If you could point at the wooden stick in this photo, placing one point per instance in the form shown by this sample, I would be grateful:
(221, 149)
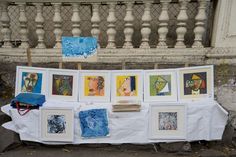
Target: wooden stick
(29, 58)
(186, 65)
(79, 66)
(60, 65)
(123, 65)
(156, 65)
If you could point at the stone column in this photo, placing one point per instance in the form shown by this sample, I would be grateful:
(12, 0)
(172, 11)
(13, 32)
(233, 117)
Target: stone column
(23, 27)
(57, 24)
(111, 31)
(129, 30)
(200, 23)
(6, 31)
(75, 20)
(181, 26)
(163, 26)
(95, 22)
(39, 20)
(146, 30)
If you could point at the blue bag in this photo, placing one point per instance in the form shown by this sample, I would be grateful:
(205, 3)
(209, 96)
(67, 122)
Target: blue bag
(24, 102)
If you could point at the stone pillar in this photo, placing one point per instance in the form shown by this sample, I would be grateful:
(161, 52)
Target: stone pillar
(129, 30)
(23, 27)
(163, 26)
(95, 22)
(39, 20)
(111, 31)
(200, 23)
(57, 24)
(75, 20)
(6, 31)
(146, 30)
(181, 26)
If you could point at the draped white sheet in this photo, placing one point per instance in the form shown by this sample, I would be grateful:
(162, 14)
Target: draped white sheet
(205, 120)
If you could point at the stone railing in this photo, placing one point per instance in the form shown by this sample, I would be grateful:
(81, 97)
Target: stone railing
(149, 35)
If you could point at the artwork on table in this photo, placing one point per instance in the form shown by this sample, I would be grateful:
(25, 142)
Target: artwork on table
(95, 86)
(57, 124)
(94, 123)
(30, 80)
(167, 121)
(63, 84)
(79, 49)
(196, 82)
(160, 85)
(127, 85)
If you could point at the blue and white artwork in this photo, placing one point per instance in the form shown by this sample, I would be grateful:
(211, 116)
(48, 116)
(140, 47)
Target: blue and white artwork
(31, 82)
(82, 47)
(94, 123)
(56, 124)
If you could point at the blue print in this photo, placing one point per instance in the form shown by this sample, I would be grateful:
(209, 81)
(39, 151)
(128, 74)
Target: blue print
(94, 123)
(31, 82)
(78, 46)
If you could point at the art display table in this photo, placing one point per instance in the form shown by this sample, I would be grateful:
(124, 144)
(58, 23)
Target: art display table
(205, 120)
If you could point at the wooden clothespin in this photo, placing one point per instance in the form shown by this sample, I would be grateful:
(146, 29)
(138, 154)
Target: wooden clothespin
(29, 56)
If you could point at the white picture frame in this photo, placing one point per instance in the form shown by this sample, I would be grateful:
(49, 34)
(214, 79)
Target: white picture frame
(66, 94)
(167, 121)
(24, 73)
(186, 78)
(160, 85)
(97, 78)
(57, 124)
(136, 93)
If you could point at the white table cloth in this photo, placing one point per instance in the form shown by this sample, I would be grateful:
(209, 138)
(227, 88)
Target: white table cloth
(205, 120)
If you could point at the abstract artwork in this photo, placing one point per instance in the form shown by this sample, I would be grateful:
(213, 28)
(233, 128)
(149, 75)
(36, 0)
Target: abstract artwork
(167, 121)
(196, 83)
(62, 85)
(94, 123)
(127, 85)
(160, 85)
(57, 124)
(31, 80)
(94, 86)
(79, 49)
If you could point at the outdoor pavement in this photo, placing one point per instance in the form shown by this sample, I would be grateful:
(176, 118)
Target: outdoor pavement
(124, 150)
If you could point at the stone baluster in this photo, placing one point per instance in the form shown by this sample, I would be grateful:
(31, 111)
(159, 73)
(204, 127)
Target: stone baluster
(95, 22)
(163, 26)
(23, 27)
(181, 26)
(39, 20)
(129, 30)
(6, 31)
(199, 25)
(111, 31)
(57, 24)
(146, 30)
(75, 20)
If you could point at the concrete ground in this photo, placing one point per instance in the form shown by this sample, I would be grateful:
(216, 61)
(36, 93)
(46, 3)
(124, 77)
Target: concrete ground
(207, 149)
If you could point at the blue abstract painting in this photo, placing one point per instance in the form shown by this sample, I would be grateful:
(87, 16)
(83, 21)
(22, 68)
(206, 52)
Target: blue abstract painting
(79, 46)
(31, 82)
(94, 123)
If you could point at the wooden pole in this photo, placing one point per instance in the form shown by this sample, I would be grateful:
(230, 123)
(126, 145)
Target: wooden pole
(186, 64)
(123, 65)
(156, 65)
(79, 66)
(29, 58)
(60, 65)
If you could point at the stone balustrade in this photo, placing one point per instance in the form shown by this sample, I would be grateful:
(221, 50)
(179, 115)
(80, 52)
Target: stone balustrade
(162, 31)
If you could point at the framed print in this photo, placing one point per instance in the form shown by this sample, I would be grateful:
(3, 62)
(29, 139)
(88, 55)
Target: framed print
(127, 85)
(63, 84)
(167, 121)
(30, 80)
(196, 83)
(95, 86)
(94, 123)
(57, 124)
(160, 85)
